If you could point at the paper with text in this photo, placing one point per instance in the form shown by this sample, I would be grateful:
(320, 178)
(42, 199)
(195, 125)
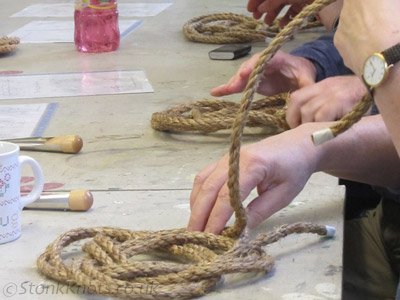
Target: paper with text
(74, 84)
(24, 120)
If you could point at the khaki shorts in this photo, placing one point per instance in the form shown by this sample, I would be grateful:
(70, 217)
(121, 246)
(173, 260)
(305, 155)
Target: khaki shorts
(371, 254)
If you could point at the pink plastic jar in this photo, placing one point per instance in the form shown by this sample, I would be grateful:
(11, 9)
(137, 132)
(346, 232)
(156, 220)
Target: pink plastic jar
(96, 26)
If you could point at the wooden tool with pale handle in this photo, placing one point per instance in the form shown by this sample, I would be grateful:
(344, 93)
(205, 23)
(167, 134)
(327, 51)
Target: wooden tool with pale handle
(65, 144)
(78, 200)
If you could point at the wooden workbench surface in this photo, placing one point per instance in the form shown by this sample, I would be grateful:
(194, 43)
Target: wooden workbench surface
(141, 179)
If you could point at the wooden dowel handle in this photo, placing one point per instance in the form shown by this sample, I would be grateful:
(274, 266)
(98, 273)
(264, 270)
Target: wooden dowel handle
(80, 200)
(77, 200)
(68, 143)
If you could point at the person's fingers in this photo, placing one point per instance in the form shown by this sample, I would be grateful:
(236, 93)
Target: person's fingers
(308, 110)
(296, 102)
(235, 85)
(285, 20)
(272, 13)
(306, 78)
(268, 203)
(270, 7)
(237, 82)
(326, 113)
(252, 5)
(225, 89)
(198, 182)
(205, 198)
(299, 98)
(220, 213)
(222, 210)
(293, 117)
(290, 14)
(220, 91)
(257, 15)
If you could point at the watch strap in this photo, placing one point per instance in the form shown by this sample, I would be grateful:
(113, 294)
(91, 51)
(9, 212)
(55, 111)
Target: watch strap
(392, 54)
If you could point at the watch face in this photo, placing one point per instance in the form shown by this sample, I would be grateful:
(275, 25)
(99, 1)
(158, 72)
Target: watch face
(375, 70)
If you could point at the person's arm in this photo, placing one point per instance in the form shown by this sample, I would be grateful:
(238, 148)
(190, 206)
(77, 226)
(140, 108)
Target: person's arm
(283, 73)
(365, 154)
(327, 100)
(333, 95)
(279, 167)
(272, 9)
(306, 64)
(387, 98)
(325, 57)
(366, 27)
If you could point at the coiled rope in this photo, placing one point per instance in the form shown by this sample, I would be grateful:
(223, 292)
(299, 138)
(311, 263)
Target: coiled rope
(8, 44)
(108, 268)
(229, 28)
(210, 115)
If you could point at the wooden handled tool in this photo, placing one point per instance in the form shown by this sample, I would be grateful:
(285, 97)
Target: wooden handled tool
(78, 200)
(65, 144)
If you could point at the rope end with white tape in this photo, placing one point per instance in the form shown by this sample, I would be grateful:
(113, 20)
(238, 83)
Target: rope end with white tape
(321, 136)
(330, 231)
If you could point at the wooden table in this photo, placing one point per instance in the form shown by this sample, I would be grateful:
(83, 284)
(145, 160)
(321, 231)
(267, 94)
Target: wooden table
(141, 179)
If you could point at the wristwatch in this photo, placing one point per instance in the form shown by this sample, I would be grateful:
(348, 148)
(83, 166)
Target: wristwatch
(376, 67)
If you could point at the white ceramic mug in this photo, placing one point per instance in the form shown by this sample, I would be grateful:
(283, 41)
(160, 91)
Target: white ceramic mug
(11, 202)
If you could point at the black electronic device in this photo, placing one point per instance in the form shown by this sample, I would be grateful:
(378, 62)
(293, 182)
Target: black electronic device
(229, 52)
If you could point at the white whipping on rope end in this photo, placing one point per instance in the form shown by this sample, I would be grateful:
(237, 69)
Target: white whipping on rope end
(330, 231)
(321, 136)
(78, 200)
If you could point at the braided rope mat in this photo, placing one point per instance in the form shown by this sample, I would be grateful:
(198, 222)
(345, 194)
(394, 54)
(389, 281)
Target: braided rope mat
(229, 28)
(108, 268)
(8, 44)
(212, 115)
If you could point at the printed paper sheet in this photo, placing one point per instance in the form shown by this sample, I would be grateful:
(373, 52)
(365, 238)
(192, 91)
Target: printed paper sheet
(74, 84)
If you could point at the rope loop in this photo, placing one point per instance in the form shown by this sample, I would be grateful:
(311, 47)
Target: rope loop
(8, 44)
(197, 260)
(210, 115)
(229, 28)
(110, 267)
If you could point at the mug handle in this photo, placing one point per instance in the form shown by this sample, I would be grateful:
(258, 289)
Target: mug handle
(39, 181)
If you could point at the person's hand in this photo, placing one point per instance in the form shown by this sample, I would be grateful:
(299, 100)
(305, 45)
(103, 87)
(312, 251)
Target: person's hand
(278, 167)
(273, 7)
(284, 73)
(327, 100)
(365, 27)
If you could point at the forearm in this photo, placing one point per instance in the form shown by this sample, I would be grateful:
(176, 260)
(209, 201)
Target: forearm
(329, 15)
(365, 154)
(367, 27)
(325, 57)
(387, 98)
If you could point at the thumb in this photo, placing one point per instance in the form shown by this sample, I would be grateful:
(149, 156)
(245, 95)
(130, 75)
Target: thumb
(305, 79)
(268, 203)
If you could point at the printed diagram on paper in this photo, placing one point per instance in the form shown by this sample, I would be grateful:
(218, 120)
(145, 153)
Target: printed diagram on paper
(24, 120)
(74, 84)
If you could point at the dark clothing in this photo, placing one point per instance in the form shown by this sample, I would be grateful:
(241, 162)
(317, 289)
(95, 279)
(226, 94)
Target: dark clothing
(371, 249)
(325, 57)
(371, 254)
